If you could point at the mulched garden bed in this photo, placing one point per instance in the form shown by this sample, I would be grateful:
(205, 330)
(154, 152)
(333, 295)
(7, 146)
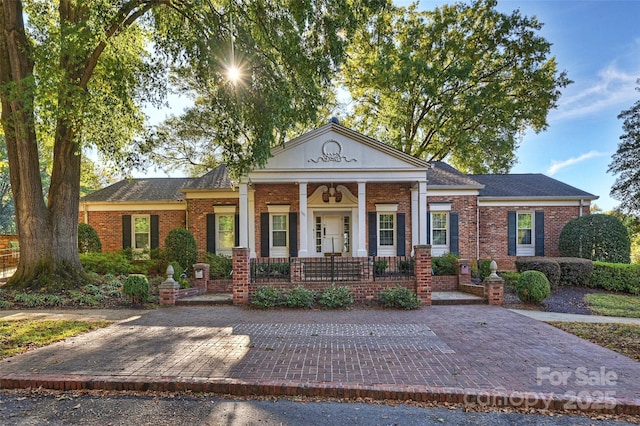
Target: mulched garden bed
(564, 299)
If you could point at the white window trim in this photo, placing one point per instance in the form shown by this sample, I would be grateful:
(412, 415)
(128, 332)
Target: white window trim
(224, 251)
(526, 249)
(440, 207)
(139, 251)
(439, 249)
(386, 208)
(225, 210)
(277, 208)
(387, 250)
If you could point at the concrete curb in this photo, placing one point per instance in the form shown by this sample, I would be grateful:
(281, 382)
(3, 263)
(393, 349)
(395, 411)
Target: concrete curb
(429, 394)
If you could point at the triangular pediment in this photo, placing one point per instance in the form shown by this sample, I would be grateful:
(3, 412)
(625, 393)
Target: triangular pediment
(334, 148)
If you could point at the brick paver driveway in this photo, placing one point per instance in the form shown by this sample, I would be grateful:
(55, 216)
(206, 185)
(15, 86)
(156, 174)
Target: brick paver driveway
(455, 347)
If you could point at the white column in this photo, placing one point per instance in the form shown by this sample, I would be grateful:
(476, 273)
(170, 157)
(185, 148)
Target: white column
(244, 215)
(252, 222)
(422, 208)
(415, 219)
(302, 220)
(362, 219)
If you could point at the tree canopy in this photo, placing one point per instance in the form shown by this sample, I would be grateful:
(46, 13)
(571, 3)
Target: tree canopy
(76, 74)
(461, 82)
(625, 161)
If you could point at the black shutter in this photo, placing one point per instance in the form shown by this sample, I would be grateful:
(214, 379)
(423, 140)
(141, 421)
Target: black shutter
(401, 243)
(155, 231)
(539, 233)
(126, 231)
(293, 234)
(511, 234)
(264, 234)
(428, 227)
(237, 231)
(454, 244)
(211, 233)
(373, 234)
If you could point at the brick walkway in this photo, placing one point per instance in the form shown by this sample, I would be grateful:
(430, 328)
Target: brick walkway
(469, 354)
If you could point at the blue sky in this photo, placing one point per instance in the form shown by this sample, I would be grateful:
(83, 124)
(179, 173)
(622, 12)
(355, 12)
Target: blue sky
(598, 44)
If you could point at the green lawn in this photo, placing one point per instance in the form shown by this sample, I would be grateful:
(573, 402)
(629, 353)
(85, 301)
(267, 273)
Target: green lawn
(622, 338)
(615, 305)
(21, 335)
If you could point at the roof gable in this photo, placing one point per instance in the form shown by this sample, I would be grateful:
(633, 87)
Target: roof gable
(335, 147)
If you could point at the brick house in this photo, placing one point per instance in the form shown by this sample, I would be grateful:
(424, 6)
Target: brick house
(335, 191)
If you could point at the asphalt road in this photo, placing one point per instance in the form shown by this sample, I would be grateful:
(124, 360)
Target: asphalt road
(70, 409)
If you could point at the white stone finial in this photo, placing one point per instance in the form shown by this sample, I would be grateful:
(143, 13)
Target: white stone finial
(169, 272)
(494, 268)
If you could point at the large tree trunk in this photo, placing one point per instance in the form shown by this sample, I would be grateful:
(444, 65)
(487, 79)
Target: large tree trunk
(47, 234)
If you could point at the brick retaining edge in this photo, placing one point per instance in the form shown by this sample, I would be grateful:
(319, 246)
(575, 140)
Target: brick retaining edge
(428, 394)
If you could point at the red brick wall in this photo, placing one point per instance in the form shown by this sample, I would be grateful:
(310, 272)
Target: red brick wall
(108, 225)
(362, 291)
(198, 209)
(465, 206)
(494, 224)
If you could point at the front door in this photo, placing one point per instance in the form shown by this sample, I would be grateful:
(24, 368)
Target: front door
(332, 235)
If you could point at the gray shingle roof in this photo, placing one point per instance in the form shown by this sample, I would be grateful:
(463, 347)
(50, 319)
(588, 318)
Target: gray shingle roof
(443, 175)
(527, 185)
(133, 190)
(217, 178)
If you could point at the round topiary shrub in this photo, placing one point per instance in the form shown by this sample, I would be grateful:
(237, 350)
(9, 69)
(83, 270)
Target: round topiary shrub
(136, 286)
(599, 237)
(533, 287)
(180, 246)
(88, 240)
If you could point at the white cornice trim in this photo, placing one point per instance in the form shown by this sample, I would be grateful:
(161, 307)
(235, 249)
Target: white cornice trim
(129, 206)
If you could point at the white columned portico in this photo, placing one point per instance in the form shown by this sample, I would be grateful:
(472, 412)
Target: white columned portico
(252, 220)
(244, 215)
(422, 209)
(302, 222)
(415, 219)
(362, 219)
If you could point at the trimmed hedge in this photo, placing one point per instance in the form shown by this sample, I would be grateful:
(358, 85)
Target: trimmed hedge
(106, 263)
(88, 240)
(600, 237)
(547, 265)
(219, 266)
(180, 246)
(616, 277)
(446, 264)
(399, 297)
(575, 271)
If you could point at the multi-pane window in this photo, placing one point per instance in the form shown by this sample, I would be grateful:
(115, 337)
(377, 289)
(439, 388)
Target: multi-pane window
(226, 232)
(279, 230)
(439, 228)
(525, 228)
(386, 228)
(141, 233)
(346, 232)
(318, 230)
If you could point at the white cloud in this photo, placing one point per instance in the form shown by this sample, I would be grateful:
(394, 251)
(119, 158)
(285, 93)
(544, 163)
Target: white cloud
(558, 165)
(613, 88)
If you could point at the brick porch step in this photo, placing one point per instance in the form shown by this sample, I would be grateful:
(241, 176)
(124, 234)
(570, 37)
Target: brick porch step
(210, 299)
(455, 298)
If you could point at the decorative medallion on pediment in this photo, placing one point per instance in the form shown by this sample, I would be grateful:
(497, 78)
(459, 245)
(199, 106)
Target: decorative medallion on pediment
(331, 153)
